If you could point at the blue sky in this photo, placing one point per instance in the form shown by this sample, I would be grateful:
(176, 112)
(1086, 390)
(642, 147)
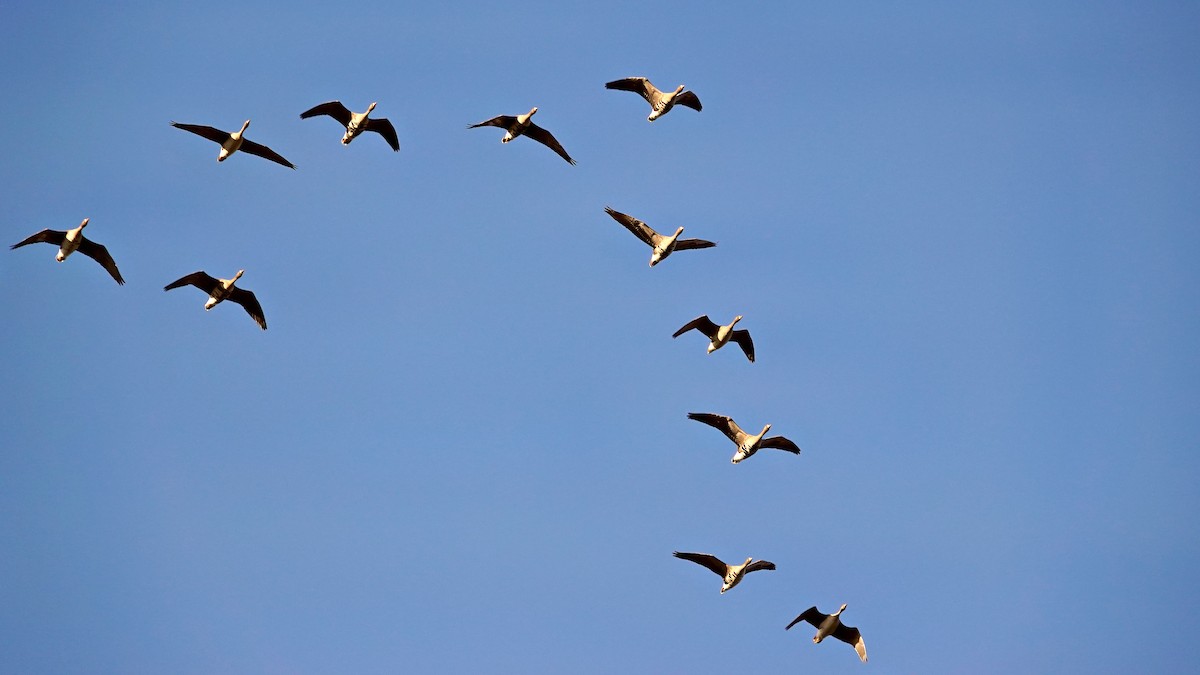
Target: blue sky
(962, 238)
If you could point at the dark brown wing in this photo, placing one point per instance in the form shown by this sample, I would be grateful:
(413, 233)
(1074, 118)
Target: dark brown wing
(638, 85)
(45, 236)
(811, 615)
(688, 100)
(200, 280)
(721, 423)
(712, 562)
(638, 228)
(100, 254)
(687, 244)
(759, 565)
(851, 636)
(249, 302)
(780, 443)
(264, 152)
(502, 121)
(384, 128)
(700, 323)
(742, 337)
(547, 139)
(214, 135)
(847, 634)
(334, 109)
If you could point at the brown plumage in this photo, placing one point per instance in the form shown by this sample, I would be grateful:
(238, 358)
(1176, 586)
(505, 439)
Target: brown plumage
(522, 125)
(731, 575)
(73, 240)
(831, 624)
(747, 444)
(220, 290)
(660, 102)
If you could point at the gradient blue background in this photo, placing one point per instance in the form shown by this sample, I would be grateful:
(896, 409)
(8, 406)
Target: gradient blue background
(963, 238)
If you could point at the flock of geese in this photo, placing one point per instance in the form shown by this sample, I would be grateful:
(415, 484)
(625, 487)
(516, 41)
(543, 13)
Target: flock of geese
(219, 290)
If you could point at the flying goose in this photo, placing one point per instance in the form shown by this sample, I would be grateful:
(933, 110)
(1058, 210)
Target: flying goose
(660, 102)
(831, 624)
(522, 125)
(731, 574)
(231, 143)
(719, 336)
(223, 289)
(663, 246)
(747, 444)
(73, 240)
(355, 123)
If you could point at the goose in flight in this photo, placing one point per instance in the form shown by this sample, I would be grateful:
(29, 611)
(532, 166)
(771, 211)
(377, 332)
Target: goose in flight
(223, 289)
(355, 123)
(231, 143)
(831, 624)
(660, 102)
(663, 246)
(731, 575)
(522, 125)
(719, 336)
(747, 444)
(73, 240)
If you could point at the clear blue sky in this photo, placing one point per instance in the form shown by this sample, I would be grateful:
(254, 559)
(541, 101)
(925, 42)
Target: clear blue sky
(964, 240)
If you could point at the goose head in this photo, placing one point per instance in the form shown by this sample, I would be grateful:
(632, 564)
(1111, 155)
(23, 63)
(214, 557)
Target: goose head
(84, 223)
(237, 276)
(735, 320)
(245, 125)
(371, 107)
(840, 610)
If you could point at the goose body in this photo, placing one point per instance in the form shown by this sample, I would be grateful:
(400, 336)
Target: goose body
(71, 241)
(662, 246)
(660, 101)
(831, 624)
(719, 336)
(731, 575)
(355, 123)
(232, 142)
(219, 290)
(522, 125)
(747, 444)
